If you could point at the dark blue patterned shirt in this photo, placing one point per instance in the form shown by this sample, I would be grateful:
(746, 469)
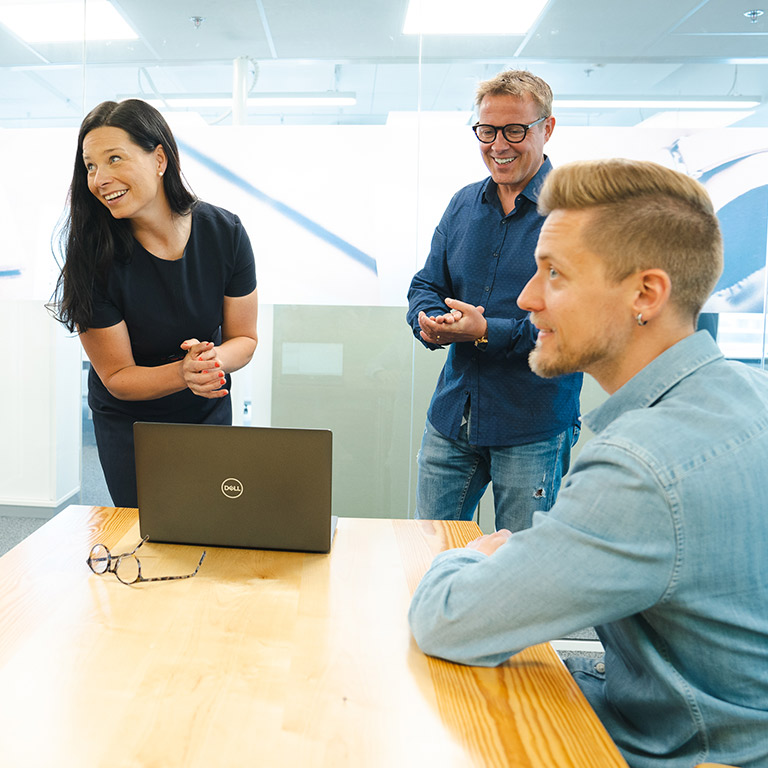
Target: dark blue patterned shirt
(482, 257)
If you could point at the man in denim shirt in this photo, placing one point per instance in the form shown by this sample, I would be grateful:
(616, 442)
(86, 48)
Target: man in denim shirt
(659, 536)
(491, 419)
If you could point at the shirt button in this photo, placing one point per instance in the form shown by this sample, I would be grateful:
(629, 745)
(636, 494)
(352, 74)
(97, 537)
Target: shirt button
(600, 668)
(487, 288)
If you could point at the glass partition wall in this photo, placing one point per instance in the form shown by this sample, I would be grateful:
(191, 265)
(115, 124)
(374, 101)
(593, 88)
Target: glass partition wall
(338, 134)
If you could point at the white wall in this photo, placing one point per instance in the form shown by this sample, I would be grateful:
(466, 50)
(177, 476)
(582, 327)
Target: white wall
(41, 413)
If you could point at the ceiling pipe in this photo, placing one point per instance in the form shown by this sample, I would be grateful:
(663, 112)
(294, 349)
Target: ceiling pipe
(240, 90)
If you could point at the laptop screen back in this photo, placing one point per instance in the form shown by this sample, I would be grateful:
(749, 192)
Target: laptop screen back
(258, 487)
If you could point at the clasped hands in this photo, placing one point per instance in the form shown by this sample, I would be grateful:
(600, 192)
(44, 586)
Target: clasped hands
(202, 370)
(464, 322)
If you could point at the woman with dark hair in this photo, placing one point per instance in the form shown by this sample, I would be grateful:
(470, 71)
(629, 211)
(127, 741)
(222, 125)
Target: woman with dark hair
(160, 286)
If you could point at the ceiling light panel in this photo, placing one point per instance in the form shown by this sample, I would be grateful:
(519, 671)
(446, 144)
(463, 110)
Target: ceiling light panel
(328, 99)
(461, 17)
(65, 22)
(694, 119)
(608, 103)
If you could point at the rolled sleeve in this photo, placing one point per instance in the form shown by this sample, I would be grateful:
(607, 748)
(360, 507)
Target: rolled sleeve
(510, 334)
(606, 550)
(438, 615)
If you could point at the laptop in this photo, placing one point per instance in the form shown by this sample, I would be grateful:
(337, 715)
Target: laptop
(226, 486)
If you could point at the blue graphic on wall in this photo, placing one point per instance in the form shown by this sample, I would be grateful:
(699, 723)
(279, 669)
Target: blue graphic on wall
(738, 185)
(346, 248)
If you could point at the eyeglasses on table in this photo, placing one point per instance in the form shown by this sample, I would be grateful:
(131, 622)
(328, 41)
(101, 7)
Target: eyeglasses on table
(127, 567)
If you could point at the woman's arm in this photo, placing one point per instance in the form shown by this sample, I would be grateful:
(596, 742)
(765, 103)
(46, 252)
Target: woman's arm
(238, 331)
(109, 350)
(202, 369)
(239, 339)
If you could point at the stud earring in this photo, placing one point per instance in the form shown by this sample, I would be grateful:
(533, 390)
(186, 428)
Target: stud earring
(640, 320)
(159, 173)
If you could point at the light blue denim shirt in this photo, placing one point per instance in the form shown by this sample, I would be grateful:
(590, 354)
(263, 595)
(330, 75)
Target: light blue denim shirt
(659, 539)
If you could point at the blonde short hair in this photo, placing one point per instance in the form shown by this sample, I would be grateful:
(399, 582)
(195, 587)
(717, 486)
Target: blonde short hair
(645, 216)
(517, 83)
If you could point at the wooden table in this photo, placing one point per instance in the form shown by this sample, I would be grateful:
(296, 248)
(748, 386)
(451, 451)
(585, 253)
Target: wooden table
(262, 659)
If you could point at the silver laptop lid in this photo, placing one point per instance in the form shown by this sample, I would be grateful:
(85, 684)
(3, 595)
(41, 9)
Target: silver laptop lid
(254, 487)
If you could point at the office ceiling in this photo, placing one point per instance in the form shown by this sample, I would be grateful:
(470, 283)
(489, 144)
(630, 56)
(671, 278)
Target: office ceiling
(599, 48)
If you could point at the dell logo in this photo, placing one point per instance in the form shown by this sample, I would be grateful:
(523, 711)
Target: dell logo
(232, 488)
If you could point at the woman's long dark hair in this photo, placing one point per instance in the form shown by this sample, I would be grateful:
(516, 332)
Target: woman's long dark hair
(90, 238)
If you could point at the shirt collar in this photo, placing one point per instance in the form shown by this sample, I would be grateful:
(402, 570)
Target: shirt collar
(656, 379)
(532, 188)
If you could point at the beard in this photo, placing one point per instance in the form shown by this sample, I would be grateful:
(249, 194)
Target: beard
(563, 362)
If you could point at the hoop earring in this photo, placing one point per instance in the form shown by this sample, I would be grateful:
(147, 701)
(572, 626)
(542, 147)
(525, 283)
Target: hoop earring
(640, 320)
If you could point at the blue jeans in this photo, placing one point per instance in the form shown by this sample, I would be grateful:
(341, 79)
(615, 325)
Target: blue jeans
(453, 475)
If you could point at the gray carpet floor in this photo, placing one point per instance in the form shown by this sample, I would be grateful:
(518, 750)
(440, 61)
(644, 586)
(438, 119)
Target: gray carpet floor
(15, 529)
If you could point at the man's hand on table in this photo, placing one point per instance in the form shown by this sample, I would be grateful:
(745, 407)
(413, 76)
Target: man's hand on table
(489, 543)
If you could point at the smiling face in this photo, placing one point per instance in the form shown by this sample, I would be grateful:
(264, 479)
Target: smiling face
(585, 319)
(122, 175)
(514, 165)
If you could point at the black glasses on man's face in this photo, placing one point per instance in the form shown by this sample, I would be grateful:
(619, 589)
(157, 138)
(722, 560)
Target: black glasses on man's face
(514, 133)
(127, 566)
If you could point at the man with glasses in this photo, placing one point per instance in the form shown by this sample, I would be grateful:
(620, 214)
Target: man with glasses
(491, 420)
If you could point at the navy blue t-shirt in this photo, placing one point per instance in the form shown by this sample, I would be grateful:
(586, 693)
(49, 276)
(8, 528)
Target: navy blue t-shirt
(165, 302)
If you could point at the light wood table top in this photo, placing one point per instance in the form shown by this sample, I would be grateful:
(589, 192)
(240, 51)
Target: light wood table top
(263, 658)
